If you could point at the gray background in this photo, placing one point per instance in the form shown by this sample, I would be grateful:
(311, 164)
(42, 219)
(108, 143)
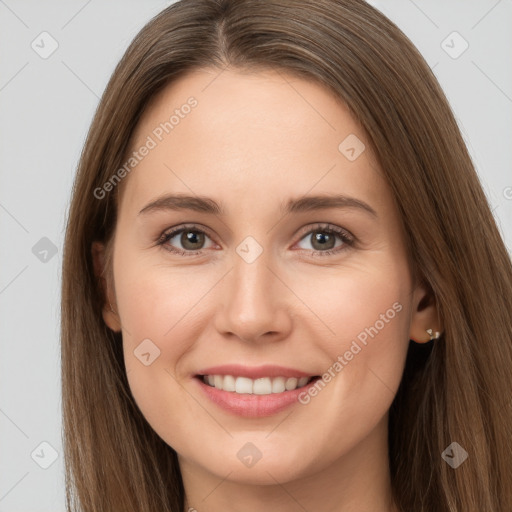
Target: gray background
(46, 107)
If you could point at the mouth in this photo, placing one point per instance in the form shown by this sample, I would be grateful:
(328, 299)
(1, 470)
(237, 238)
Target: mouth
(260, 386)
(253, 392)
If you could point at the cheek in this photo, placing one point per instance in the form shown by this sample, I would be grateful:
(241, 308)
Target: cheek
(160, 309)
(156, 302)
(353, 301)
(369, 315)
(365, 320)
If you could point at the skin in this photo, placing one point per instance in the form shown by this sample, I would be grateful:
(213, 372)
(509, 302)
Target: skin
(254, 141)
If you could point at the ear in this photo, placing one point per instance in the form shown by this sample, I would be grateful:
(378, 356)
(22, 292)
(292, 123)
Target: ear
(111, 318)
(425, 315)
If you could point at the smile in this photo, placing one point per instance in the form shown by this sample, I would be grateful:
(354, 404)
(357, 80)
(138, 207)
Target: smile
(261, 386)
(253, 392)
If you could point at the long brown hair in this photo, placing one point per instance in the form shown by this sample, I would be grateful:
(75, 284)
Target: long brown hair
(458, 390)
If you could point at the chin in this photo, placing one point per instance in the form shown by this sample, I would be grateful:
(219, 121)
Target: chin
(254, 467)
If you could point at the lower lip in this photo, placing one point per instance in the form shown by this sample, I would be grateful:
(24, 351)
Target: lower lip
(251, 405)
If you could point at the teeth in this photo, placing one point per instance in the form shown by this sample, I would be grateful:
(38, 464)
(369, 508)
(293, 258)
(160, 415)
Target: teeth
(263, 386)
(229, 383)
(291, 383)
(278, 385)
(218, 381)
(302, 381)
(242, 384)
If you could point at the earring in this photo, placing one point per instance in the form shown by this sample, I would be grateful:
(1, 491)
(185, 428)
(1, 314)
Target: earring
(433, 336)
(111, 308)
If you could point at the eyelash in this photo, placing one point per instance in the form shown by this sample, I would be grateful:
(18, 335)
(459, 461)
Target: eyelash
(347, 239)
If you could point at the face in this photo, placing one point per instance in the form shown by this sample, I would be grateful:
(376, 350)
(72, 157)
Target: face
(257, 285)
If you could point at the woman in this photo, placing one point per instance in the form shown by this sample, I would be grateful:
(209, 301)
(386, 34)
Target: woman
(282, 282)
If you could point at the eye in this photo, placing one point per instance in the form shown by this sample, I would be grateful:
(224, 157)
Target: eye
(323, 239)
(191, 238)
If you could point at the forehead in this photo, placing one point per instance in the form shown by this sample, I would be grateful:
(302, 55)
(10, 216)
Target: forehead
(234, 130)
(269, 99)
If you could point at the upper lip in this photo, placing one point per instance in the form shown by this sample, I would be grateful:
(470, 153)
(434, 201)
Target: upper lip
(253, 372)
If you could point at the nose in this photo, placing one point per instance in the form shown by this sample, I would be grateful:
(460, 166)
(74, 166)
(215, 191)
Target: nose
(254, 303)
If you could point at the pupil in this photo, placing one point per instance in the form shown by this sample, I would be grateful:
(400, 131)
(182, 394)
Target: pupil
(321, 238)
(191, 237)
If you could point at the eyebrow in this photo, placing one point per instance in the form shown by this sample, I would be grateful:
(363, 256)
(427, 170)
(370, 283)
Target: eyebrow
(205, 204)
